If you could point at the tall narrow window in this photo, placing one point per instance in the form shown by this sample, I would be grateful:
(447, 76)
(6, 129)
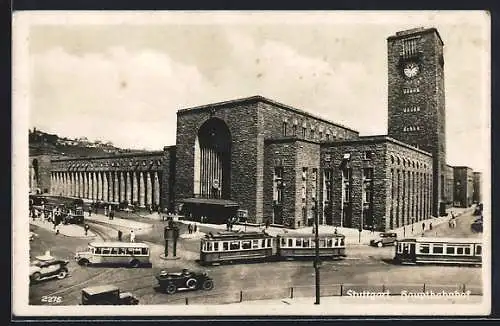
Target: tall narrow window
(294, 130)
(284, 127)
(278, 184)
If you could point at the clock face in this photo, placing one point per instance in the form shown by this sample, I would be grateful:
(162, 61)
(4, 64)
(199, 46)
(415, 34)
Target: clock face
(411, 69)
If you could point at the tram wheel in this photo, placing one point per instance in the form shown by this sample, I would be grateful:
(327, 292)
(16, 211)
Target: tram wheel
(134, 263)
(83, 262)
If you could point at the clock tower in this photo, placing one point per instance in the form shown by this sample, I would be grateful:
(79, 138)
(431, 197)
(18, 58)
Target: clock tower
(416, 98)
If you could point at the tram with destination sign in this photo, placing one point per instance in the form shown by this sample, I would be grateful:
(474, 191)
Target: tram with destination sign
(458, 251)
(250, 246)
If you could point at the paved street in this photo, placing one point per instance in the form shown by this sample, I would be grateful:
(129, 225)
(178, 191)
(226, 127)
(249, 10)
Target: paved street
(366, 266)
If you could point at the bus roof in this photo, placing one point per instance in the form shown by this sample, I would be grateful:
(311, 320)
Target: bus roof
(93, 290)
(236, 235)
(443, 240)
(118, 244)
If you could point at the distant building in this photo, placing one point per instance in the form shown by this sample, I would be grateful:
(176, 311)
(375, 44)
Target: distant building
(464, 186)
(476, 196)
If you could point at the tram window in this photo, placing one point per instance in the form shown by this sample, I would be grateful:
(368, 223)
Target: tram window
(209, 246)
(478, 249)
(298, 242)
(329, 243)
(98, 251)
(437, 249)
(225, 246)
(322, 243)
(283, 241)
(467, 251)
(216, 246)
(246, 245)
(144, 251)
(424, 248)
(342, 242)
(234, 245)
(305, 243)
(450, 250)
(114, 251)
(460, 251)
(105, 251)
(400, 247)
(137, 251)
(255, 244)
(121, 251)
(269, 243)
(290, 242)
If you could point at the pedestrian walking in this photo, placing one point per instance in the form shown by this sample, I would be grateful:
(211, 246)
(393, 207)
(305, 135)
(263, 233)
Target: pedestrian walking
(132, 236)
(190, 229)
(423, 227)
(90, 211)
(57, 229)
(195, 229)
(86, 229)
(335, 232)
(430, 226)
(267, 223)
(120, 234)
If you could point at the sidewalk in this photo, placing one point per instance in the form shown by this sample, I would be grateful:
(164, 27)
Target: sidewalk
(138, 227)
(352, 235)
(69, 230)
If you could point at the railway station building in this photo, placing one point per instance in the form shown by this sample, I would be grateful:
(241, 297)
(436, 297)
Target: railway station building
(267, 162)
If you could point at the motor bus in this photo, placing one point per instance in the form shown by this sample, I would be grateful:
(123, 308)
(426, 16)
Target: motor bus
(424, 250)
(132, 254)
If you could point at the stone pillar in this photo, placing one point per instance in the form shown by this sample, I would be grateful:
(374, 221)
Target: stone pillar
(71, 184)
(68, 184)
(135, 192)
(77, 184)
(156, 189)
(86, 181)
(94, 186)
(149, 190)
(142, 191)
(99, 186)
(128, 187)
(116, 187)
(105, 185)
(122, 181)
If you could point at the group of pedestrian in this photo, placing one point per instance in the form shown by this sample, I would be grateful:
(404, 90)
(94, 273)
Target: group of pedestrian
(452, 223)
(192, 228)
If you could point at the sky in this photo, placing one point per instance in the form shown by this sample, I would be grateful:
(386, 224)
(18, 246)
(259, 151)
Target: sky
(122, 77)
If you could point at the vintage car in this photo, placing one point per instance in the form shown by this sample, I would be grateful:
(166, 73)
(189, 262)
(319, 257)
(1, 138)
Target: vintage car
(477, 226)
(384, 239)
(171, 282)
(107, 295)
(45, 267)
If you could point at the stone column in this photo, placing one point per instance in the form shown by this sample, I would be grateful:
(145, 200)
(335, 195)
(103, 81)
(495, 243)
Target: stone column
(99, 186)
(156, 189)
(135, 192)
(149, 190)
(105, 186)
(128, 187)
(71, 184)
(94, 186)
(122, 181)
(116, 187)
(142, 191)
(77, 184)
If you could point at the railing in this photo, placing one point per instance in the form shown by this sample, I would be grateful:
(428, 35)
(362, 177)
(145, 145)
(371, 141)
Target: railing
(335, 290)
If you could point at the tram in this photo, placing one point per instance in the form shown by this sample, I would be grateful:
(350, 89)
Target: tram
(247, 246)
(458, 251)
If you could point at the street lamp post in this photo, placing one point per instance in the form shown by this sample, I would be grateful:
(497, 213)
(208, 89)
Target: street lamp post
(316, 258)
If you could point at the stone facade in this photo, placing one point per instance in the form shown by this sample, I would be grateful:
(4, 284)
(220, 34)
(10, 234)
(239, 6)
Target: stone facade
(448, 189)
(464, 186)
(39, 173)
(135, 178)
(416, 98)
(370, 194)
(250, 122)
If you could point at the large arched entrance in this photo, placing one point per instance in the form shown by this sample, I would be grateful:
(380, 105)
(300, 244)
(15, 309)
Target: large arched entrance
(212, 175)
(212, 160)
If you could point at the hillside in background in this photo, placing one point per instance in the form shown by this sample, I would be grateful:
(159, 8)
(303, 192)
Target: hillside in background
(44, 143)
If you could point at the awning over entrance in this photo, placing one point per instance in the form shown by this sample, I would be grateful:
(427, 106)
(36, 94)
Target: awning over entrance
(210, 201)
